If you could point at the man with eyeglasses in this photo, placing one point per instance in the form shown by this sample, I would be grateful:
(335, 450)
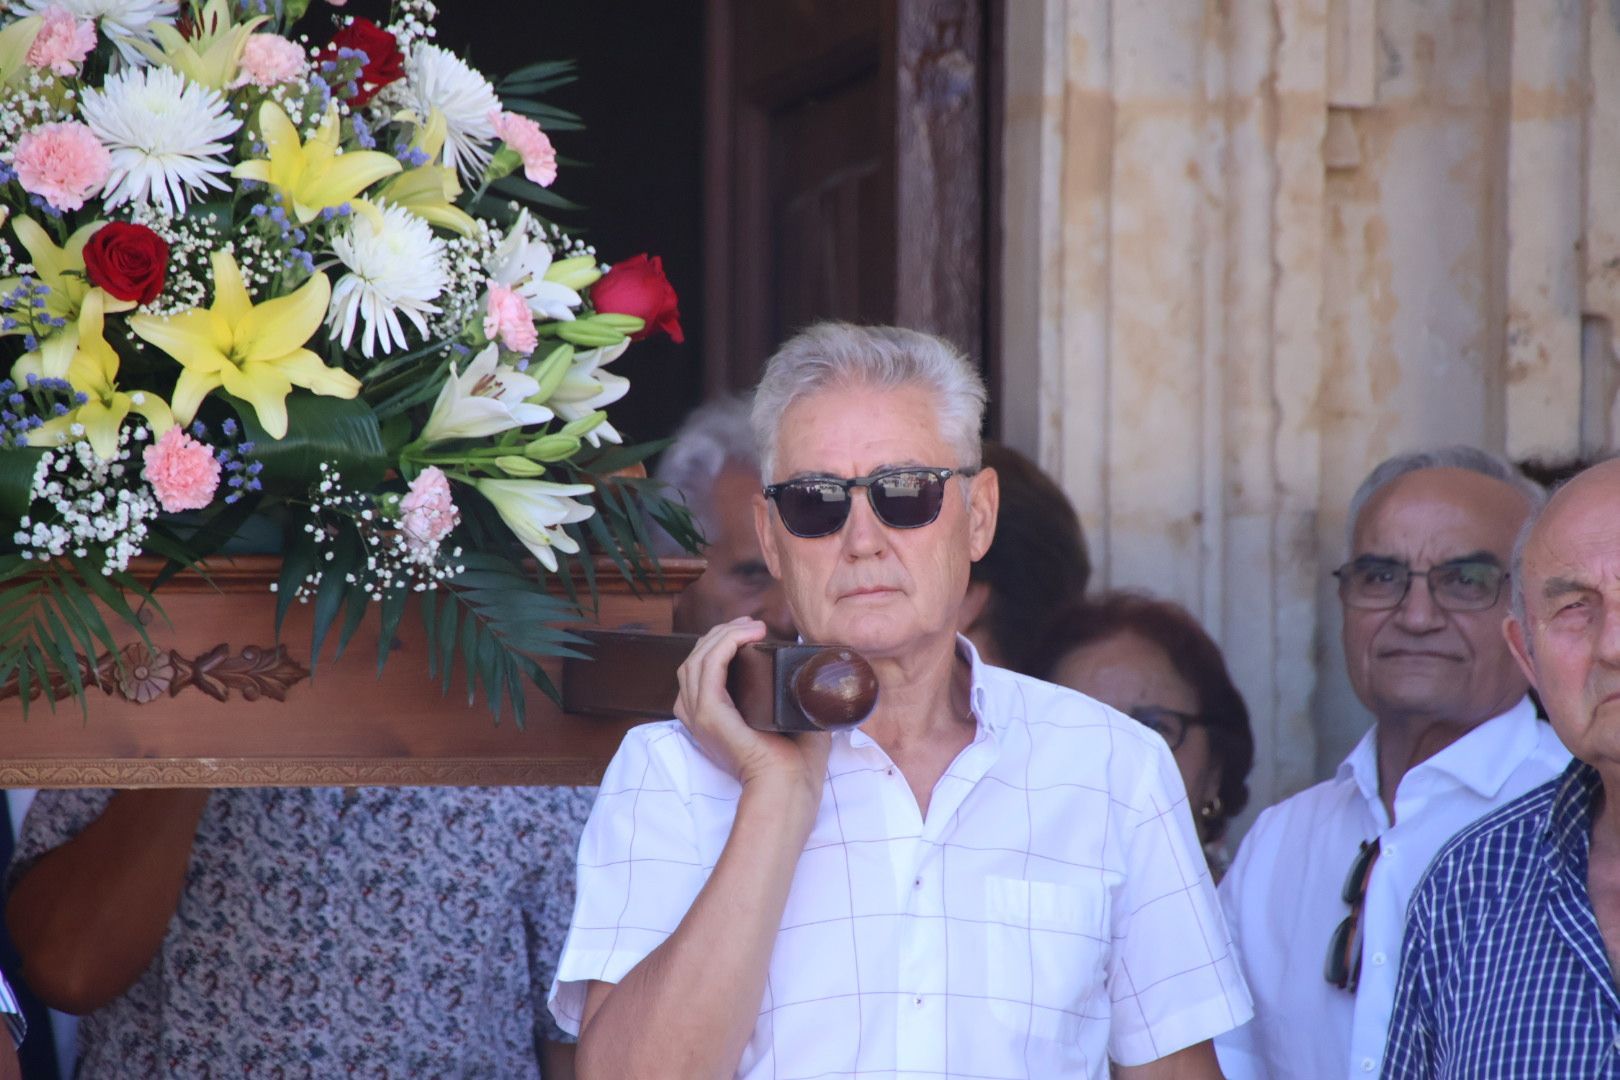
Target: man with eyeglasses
(1317, 895)
(993, 876)
(1514, 933)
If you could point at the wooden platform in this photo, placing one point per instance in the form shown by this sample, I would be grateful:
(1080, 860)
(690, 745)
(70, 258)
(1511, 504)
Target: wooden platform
(221, 704)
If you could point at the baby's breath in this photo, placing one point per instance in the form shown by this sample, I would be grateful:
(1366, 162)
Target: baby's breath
(87, 507)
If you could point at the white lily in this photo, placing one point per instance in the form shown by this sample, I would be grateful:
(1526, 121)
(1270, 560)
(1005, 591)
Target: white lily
(536, 510)
(587, 388)
(521, 263)
(487, 398)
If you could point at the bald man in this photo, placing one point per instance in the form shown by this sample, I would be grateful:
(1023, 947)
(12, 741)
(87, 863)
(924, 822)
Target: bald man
(1514, 934)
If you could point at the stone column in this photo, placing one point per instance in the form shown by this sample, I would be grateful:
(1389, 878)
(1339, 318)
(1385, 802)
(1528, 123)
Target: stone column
(1255, 246)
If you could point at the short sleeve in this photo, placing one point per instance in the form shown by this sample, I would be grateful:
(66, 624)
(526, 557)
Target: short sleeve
(562, 813)
(54, 818)
(1173, 977)
(640, 868)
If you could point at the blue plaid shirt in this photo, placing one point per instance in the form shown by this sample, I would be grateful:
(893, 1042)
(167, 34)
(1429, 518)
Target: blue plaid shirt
(1504, 973)
(10, 1011)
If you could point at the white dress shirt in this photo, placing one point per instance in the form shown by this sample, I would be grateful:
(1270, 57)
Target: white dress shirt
(1052, 910)
(1283, 894)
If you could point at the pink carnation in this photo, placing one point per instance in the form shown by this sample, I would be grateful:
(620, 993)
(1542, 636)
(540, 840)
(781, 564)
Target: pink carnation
(525, 136)
(426, 514)
(181, 470)
(508, 321)
(64, 164)
(269, 60)
(62, 43)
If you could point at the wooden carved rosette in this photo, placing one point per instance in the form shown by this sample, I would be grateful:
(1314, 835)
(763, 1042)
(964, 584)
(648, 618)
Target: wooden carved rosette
(141, 674)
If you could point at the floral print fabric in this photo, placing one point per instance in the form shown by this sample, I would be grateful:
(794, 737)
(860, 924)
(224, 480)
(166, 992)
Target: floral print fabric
(376, 932)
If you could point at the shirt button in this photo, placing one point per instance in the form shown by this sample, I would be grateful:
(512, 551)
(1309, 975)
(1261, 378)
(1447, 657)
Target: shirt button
(1368, 1064)
(1378, 959)
(917, 884)
(889, 771)
(917, 1001)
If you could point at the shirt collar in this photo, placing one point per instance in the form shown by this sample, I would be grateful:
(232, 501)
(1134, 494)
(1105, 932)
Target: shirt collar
(989, 721)
(1481, 760)
(1569, 821)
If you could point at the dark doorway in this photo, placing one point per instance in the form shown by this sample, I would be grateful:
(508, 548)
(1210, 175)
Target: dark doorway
(637, 166)
(790, 160)
(848, 173)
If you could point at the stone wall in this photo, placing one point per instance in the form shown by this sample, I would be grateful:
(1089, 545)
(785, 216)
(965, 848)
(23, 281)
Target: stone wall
(1254, 246)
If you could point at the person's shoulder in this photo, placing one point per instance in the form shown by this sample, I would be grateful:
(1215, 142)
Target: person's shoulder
(1306, 812)
(1494, 856)
(1051, 711)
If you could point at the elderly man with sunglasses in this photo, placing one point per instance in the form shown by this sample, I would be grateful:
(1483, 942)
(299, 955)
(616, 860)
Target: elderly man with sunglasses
(1318, 893)
(993, 876)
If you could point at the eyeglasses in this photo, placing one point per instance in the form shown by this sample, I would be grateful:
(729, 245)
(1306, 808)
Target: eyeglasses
(1171, 724)
(1375, 584)
(906, 498)
(1343, 966)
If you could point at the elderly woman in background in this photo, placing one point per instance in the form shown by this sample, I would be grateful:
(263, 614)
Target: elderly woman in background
(1149, 658)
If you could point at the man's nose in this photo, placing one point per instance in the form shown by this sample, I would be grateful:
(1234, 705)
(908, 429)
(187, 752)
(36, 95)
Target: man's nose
(863, 534)
(1418, 613)
(1609, 635)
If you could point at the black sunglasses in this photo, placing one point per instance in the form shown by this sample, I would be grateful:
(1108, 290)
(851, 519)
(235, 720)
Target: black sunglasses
(904, 498)
(1343, 966)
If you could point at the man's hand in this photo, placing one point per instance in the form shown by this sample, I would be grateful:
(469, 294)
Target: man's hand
(709, 714)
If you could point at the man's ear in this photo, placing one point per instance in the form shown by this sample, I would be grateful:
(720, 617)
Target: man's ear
(1519, 646)
(766, 535)
(984, 501)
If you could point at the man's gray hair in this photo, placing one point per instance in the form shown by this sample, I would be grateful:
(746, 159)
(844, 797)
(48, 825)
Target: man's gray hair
(715, 434)
(833, 354)
(1469, 458)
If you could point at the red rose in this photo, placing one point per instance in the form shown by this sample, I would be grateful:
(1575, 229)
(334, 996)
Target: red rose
(384, 62)
(129, 261)
(638, 287)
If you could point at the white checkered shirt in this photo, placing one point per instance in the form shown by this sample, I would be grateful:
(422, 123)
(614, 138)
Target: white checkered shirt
(1052, 911)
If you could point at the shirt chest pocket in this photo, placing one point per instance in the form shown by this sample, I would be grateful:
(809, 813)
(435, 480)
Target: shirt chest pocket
(1046, 945)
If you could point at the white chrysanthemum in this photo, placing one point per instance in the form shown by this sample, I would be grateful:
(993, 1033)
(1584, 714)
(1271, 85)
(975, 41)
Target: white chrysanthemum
(396, 267)
(166, 135)
(123, 21)
(438, 79)
(521, 262)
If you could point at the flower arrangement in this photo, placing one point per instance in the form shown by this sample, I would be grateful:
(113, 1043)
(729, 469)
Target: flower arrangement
(262, 260)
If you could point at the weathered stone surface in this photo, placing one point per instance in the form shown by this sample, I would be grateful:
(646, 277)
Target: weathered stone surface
(1254, 247)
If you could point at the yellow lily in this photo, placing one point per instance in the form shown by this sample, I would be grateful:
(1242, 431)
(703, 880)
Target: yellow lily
(94, 372)
(430, 190)
(255, 351)
(312, 176)
(61, 269)
(15, 41)
(210, 58)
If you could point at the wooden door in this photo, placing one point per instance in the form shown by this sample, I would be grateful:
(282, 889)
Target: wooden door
(847, 172)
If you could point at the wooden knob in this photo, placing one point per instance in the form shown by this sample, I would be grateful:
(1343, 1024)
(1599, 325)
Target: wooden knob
(836, 689)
